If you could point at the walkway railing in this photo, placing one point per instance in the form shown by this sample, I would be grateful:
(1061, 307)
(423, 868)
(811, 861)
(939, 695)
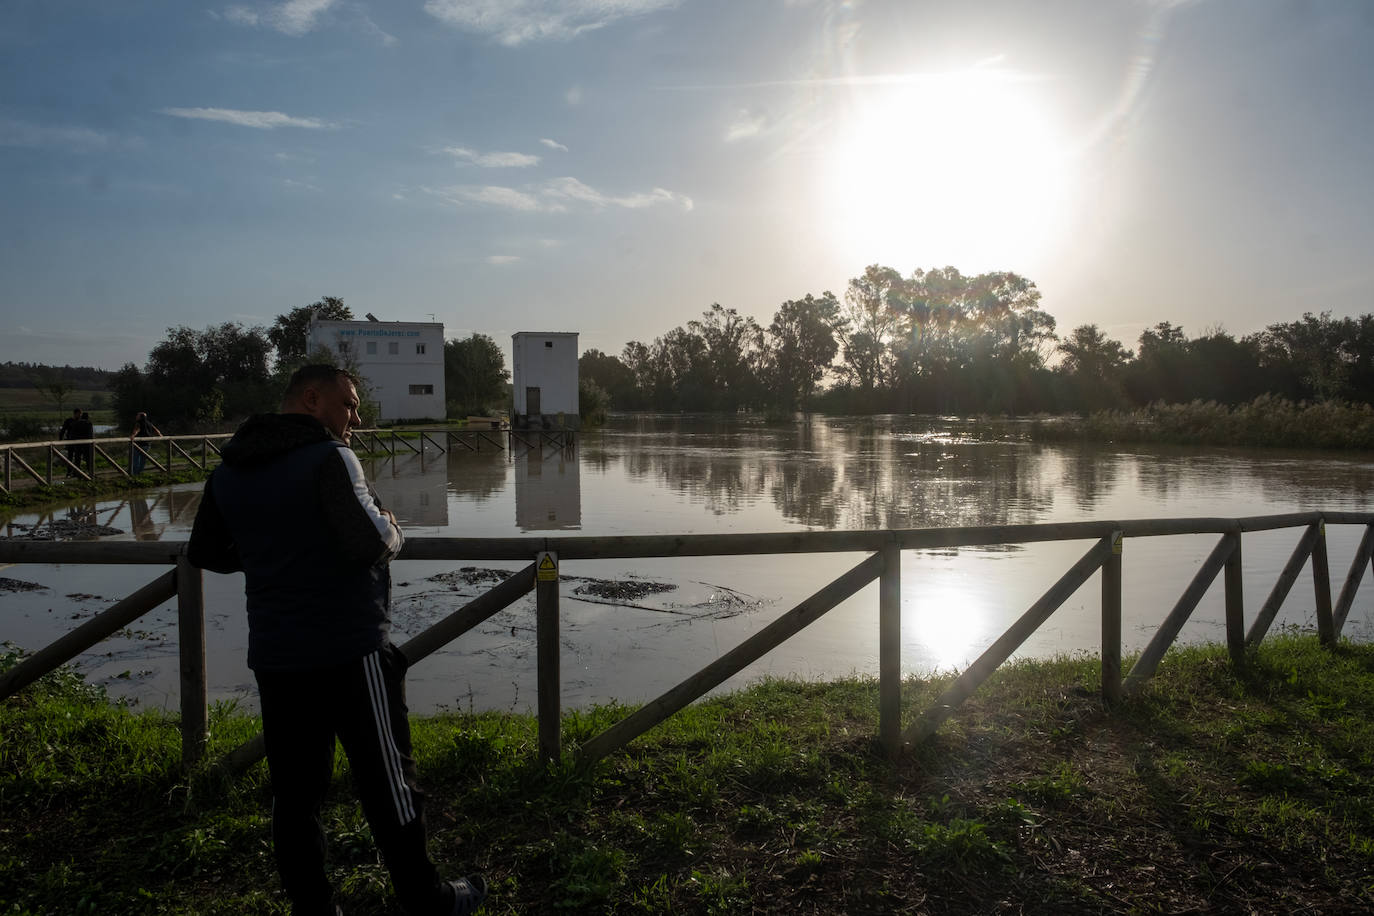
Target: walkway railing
(1105, 554)
(50, 461)
(46, 462)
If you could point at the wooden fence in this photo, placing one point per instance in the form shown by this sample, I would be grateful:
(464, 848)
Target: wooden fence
(50, 461)
(46, 462)
(884, 547)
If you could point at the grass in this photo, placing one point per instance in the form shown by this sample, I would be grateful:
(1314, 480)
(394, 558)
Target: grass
(1219, 790)
(29, 494)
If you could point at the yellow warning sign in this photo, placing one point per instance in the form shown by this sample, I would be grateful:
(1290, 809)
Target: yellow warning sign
(546, 567)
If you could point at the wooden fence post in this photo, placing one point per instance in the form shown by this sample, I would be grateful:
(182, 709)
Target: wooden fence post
(1111, 622)
(1321, 584)
(191, 640)
(546, 637)
(1235, 603)
(890, 650)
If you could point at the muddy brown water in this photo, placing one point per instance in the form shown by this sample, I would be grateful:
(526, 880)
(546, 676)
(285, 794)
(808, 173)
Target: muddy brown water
(633, 628)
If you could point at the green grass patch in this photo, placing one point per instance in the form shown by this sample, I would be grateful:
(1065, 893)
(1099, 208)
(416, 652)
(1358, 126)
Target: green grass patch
(1215, 789)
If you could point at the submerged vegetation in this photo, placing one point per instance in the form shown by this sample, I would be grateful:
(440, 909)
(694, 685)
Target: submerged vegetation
(1232, 791)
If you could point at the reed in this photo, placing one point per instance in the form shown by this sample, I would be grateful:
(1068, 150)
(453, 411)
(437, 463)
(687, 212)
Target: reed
(1266, 422)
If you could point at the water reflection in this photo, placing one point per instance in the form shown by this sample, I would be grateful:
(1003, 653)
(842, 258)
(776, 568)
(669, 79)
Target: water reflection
(548, 490)
(414, 487)
(847, 473)
(1088, 472)
(682, 474)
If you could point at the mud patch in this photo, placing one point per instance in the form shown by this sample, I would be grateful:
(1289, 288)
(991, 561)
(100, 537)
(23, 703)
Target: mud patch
(62, 529)
(470, 575)
(19, 585)
(621, 590)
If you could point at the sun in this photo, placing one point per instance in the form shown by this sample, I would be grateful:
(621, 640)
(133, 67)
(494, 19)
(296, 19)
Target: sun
(962, 168)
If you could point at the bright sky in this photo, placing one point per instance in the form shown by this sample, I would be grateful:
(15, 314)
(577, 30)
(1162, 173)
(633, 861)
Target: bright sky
(614, 167)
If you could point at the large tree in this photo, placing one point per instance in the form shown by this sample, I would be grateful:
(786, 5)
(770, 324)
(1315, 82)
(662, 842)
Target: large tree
(475, 375)
(199, 378)
(802, 341)
(612, 376)
(730, 342)
(1094, 363)
(1312, 358)
(873, 303)
(288, 332)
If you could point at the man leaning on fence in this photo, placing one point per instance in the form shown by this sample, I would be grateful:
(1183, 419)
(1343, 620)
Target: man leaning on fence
(143, 429)
(290, 507)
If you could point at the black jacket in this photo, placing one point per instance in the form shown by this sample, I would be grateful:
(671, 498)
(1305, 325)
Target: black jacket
(291, 509)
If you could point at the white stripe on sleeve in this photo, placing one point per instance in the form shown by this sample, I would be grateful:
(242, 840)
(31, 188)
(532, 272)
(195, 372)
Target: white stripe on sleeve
(389, 532)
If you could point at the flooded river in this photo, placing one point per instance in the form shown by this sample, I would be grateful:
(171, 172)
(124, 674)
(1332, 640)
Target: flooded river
(633, 628)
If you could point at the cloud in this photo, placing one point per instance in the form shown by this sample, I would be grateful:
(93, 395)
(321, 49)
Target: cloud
(553, 144)
(555, 196)
(492, 160)
(81, 139)
(262, 120)
(295, 17)
(572, 189)
(515, 22)
(499, 259)
(376, 31)
(486, 195)
(745, 125)
(573, 96)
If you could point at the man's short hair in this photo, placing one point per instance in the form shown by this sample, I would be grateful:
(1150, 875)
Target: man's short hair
(314, 374)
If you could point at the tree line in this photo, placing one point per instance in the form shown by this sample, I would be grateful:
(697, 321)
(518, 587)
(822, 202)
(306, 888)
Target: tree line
(206, 379)
(935, 341)
(27, 375)
(940, 342)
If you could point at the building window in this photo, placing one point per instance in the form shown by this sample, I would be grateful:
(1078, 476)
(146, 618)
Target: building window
(419, 349)
(421, 389)
(548, 344)
(343, 348)
(372, 348)
(393, 348)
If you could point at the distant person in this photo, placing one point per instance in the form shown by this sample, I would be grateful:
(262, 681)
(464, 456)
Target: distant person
(68, 431)
(143, 429)
(290, 508)
(85, 429)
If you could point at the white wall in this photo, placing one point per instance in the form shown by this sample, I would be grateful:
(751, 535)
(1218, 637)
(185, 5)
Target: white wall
(416, 363)
(547, 361)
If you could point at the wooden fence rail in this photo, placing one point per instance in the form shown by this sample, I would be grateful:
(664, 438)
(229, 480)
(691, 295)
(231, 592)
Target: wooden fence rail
(108, 457)
(884, 564)
(47, 462)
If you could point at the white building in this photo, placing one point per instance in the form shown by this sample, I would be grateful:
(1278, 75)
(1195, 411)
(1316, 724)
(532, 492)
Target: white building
(402, 361)
(544, 377)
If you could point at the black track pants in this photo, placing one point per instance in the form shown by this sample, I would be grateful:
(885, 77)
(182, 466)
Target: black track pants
(363, 704)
